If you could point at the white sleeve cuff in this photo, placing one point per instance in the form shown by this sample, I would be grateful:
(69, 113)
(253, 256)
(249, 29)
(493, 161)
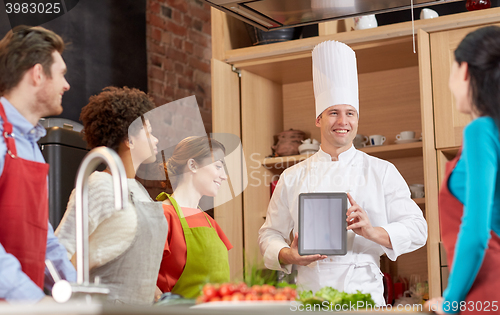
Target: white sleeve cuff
(400, 240)
(271, 260)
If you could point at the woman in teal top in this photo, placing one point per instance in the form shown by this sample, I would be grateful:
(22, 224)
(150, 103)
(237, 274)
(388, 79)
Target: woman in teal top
(469, 201)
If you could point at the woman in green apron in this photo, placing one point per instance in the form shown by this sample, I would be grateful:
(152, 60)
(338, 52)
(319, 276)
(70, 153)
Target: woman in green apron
(125, 245)
(196, 251)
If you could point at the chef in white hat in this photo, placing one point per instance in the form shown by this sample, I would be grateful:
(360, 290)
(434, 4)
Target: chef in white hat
(382, 217)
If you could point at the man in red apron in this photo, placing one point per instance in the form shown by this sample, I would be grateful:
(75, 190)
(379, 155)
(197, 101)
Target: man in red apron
(31, 86)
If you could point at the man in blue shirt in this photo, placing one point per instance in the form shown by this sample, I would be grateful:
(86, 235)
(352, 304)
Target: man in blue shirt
(31, 86)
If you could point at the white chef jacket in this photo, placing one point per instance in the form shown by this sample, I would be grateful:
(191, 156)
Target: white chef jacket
(377, 187)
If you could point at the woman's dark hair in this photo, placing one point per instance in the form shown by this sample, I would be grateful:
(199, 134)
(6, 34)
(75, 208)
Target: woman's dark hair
(108, 115)
(481, 50)
(196, 148)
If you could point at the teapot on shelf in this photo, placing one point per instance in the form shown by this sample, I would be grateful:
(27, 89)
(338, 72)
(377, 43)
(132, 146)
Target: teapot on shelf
(287, 142)
(309, 147)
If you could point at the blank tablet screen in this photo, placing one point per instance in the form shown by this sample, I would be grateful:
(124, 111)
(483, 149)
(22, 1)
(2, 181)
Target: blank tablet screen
(322, 225)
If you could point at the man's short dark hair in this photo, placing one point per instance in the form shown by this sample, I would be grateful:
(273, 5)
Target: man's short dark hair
(22, 48)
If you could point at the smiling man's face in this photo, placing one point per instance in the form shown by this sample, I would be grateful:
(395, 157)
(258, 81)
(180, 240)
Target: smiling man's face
(339, 125)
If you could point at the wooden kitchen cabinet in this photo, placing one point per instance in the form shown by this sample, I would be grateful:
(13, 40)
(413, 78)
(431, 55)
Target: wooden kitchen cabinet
(448, 121)
(260, 91)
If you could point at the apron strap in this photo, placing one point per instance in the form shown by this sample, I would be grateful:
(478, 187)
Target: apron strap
(374, 268)
(180, 214)
(7, 134)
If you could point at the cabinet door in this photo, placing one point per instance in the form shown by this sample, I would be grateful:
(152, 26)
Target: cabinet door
(261, 118)
(449, 123)
(226, 119)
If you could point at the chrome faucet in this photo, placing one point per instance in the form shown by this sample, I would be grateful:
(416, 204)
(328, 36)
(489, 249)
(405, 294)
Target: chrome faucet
(63, 290)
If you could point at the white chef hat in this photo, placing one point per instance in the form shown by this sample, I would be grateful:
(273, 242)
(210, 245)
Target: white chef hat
(335, 76)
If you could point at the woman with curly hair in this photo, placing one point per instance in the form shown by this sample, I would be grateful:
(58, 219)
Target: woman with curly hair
(125, 245)
(196, 251)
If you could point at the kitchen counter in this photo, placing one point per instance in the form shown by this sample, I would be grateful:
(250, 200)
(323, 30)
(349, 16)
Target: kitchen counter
(75, 309)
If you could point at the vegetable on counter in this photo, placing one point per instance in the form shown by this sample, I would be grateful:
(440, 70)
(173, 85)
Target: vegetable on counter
(335, 297)
(242, 292)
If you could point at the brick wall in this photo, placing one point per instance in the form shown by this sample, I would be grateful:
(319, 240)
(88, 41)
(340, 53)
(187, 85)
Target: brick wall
(178, 38)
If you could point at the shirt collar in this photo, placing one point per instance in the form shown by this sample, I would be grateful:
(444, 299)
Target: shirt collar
(345, 156)
(20, 123)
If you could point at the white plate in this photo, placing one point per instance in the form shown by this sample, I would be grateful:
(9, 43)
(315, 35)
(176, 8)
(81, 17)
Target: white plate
(245, 305)
(406, 141)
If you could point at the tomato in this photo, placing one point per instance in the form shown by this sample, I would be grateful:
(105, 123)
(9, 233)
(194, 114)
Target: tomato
(237, 297)
(210, 291)
(266, 288)
(281, 297)
(257, 289)
(215, 299)
(287, 290)
(227, 298)
(267, 297)
(242, 288)
(251, 297)
(200, 299)
(226, 289)
(291, 293)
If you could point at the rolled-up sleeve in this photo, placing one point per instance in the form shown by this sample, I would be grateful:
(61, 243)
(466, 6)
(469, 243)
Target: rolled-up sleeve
(406, 225)
(56, 253)
(275, 232)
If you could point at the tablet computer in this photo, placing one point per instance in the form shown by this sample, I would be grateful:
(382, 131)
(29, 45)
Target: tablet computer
(322, 223)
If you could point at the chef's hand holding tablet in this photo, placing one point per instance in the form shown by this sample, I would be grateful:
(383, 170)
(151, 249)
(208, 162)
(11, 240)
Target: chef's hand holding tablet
(359, 223)
(291, 255)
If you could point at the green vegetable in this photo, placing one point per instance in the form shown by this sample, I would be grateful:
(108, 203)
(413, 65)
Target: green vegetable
(334, 297)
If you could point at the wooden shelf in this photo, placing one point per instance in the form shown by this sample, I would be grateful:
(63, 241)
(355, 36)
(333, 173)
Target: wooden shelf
(283, 161)
(386, 152)
(394, 151)
(358, 40)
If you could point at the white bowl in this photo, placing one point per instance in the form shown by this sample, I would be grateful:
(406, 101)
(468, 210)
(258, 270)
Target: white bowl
(308, 148)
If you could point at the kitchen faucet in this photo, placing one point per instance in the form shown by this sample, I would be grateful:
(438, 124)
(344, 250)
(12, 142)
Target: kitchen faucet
(63, 290)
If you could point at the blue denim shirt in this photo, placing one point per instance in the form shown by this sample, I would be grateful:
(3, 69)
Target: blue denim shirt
(15, 285)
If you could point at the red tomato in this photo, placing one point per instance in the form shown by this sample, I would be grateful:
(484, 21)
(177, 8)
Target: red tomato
(227, 298)
(287, 290)
(266, 288)
(267, 297)
(209, 291)
(226, 289)
(237, 297)
(251, 297)
(200, 299)
(281, 297)
(215, 299)
(242, 288)
(257, 289)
